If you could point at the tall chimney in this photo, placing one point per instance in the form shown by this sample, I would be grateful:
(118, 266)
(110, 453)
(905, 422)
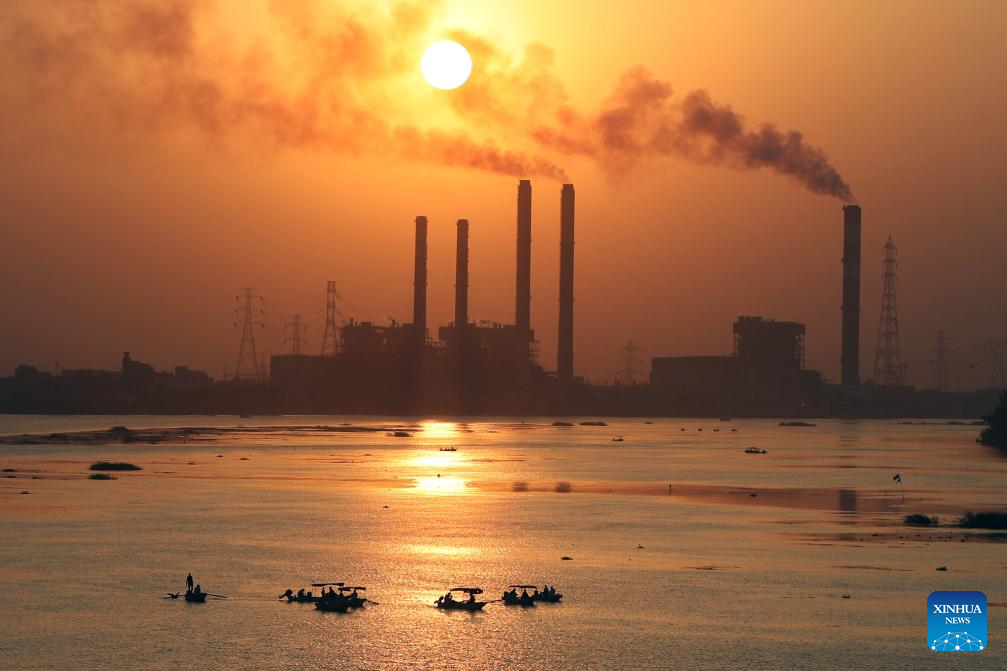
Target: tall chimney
(462, 278)
(564, 359)
(522, 305)
(420, 282)
(850, 359)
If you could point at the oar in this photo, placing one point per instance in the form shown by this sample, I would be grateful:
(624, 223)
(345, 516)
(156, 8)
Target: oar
(219, 596)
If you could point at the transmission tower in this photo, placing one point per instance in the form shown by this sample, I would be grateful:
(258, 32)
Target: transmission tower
(629, 361)
(251, 316)
(942, 353)
(330, 341)
(997, 349)
(295, 339)
(888, 368)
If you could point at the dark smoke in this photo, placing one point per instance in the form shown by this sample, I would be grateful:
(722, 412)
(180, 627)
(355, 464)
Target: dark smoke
(640, 120)
(155, 65)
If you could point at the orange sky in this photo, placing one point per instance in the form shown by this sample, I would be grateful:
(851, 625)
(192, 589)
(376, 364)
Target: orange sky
(158, 160)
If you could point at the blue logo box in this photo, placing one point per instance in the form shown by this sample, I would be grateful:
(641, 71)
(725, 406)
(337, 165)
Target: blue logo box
(956, 621)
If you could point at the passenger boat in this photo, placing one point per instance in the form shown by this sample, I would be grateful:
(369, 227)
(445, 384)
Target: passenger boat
(307, 596)
(449, 449)
(470, 605)
(399, 434)
(548, 597)
(354, 601)
(524, 599)
(333, 604)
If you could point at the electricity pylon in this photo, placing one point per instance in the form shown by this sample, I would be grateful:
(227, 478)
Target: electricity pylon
(888, 367)
(330, 341)
(295, 339)
(248, 362)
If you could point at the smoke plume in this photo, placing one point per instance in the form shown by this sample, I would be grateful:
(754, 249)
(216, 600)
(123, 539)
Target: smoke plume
(338, 81)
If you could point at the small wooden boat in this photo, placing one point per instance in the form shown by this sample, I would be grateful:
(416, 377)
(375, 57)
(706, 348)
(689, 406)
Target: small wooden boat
(754, 450)
(462, 605)
(548, 597)
(196, 597)
(470, 604)
(524, 599)
(347, 593)
(448, 449)
(308, 596)
(336, 604)
(618, 439)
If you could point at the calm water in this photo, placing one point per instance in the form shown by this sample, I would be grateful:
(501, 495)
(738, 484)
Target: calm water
(724, 579)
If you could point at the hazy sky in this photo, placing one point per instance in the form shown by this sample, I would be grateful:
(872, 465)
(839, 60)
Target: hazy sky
(159, 155)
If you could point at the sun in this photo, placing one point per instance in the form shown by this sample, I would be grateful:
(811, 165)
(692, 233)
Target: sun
(446, 65)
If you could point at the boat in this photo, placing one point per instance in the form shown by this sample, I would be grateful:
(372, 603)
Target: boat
(524, 599)
(618, 439)
(594, 423)
(336, 601)
(399, 434)
(754, 450)
(196, 597)
(448, 449)
(470, 605)
(335, 604)
(562, 423)
(347, 592)
(308, 596)
(552, 596)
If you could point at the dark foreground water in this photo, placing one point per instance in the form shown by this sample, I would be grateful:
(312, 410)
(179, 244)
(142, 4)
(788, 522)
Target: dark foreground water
(723, 579)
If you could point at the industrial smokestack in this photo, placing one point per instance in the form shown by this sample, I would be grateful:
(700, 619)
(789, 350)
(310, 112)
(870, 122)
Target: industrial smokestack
(522, 304)
(850, 360)
(564, 359)
(462, 278)
(420, 282)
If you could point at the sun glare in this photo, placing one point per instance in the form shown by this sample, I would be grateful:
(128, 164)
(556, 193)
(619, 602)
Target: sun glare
(435, 485)
(446, 65)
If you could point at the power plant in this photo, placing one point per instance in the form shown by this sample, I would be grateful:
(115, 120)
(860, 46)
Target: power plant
(469, 367)
(483, 367)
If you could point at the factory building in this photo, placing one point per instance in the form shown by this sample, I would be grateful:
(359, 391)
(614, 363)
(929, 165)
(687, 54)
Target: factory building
(472, 365)
(765, 345)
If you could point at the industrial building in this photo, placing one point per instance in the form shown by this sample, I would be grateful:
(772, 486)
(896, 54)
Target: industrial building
(765, 370)
(471, 366)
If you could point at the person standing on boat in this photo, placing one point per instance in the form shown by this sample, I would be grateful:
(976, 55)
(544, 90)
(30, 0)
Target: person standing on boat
(188, 583)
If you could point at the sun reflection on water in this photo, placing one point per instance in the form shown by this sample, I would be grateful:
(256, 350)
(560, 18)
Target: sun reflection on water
(440, 485)
(441, 550)
(439, 430)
